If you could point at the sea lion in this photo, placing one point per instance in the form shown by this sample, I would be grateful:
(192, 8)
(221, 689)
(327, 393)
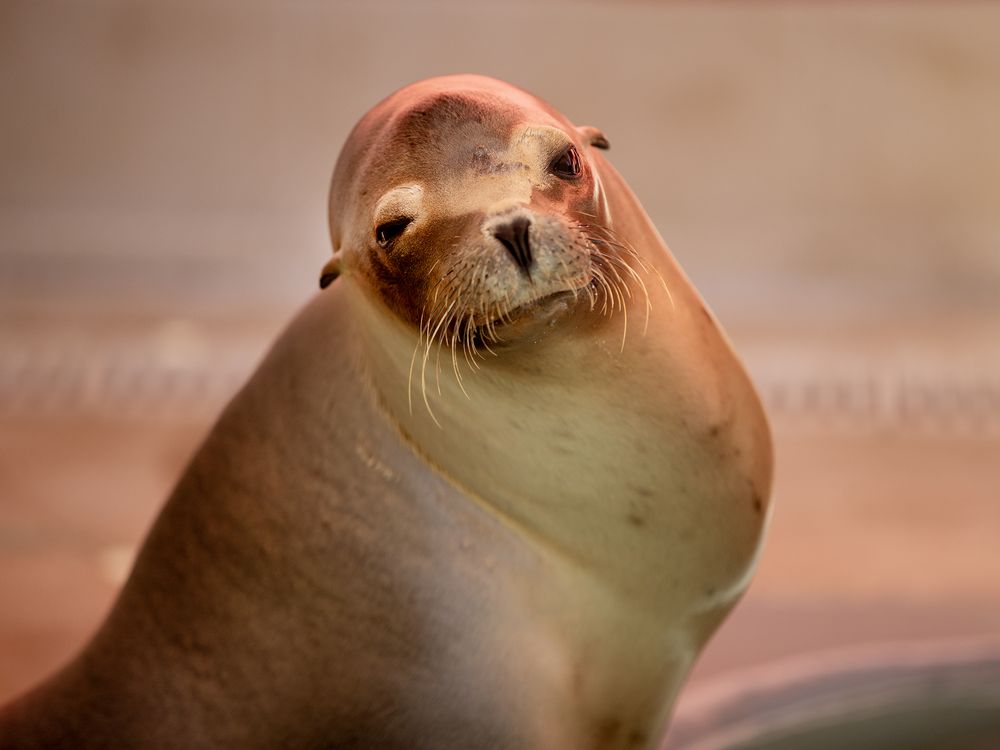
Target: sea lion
(493, 488)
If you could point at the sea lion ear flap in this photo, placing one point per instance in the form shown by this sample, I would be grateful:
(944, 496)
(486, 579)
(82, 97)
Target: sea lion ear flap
(330, 271)
(594, 137)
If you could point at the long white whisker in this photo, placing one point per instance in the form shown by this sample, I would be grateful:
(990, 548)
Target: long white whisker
(423, 366)
(413, 359)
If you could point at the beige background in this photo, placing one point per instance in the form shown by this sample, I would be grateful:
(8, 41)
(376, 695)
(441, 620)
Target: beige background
(827, 173)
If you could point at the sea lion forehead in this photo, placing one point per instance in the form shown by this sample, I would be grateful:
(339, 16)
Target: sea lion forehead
(443, 138)
(465, 106)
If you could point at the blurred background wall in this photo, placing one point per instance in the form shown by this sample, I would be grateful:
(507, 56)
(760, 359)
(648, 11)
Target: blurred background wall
(827, 173)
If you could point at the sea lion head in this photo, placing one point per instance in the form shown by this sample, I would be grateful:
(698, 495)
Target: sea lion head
(476, 212)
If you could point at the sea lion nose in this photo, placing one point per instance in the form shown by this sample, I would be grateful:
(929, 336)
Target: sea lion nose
(514, 235)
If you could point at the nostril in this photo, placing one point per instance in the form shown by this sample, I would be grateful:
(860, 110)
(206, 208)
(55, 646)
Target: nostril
(515, 236)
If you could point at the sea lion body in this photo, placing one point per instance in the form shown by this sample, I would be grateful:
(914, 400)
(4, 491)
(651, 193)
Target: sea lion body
(493, 488)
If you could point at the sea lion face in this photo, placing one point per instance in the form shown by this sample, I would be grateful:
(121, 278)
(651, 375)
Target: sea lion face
(476, 213)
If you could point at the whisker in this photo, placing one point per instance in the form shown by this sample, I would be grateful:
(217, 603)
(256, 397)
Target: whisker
(454, 362)
(413, 359)
(423, 368)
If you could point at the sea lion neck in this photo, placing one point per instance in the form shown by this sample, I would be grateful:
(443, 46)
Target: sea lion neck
(541, 435)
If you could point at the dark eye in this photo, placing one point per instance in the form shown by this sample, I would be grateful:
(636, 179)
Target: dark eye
(387, 232)
(567, 164)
